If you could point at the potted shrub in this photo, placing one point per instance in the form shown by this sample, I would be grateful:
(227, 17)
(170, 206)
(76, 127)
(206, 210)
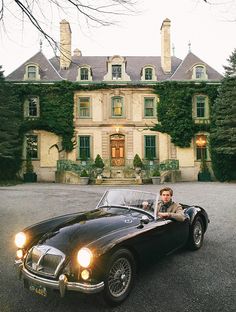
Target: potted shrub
(84, 177)
(99, 164)
(29, 175)
(156, 176)
(138, 164)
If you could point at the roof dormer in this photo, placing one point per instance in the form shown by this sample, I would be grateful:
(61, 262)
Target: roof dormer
(116, 69)
(199, 72)
(148, 73)
(84, 73)
(32, 72)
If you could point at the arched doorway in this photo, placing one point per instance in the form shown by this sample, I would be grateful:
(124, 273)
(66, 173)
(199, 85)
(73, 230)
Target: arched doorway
(117, 145)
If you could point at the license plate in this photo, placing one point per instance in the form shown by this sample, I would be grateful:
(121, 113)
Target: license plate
(38, 289)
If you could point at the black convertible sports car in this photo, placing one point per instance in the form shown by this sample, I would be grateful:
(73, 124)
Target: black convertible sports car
(100, 250)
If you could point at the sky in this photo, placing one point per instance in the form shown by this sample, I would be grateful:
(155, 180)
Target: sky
(209, 29)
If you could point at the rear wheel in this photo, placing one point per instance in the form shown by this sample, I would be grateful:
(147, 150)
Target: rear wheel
(196, 234)
(119, 277)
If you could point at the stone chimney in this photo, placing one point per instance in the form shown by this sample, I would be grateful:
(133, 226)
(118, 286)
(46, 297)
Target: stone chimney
(165, 46)
(65, 45)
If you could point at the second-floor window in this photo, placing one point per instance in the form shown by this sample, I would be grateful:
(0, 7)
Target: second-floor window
(148, 107)
(116, 72)
(84, 107)
(148, 74)
(150, 146)
(117, 107)
(84, 74)
(84, 147)
(31, 108)
(32, 146)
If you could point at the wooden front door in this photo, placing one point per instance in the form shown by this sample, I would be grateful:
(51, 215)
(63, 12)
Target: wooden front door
(117, 144)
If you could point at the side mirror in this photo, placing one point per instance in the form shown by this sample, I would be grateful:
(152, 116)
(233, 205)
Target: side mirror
(143, 220)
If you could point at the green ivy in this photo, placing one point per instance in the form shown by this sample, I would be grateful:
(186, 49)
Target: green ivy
(174, 111)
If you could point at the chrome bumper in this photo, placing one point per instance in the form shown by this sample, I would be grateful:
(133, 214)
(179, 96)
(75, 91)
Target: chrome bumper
(62, 284)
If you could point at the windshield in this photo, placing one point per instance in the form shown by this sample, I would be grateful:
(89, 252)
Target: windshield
(130, 199)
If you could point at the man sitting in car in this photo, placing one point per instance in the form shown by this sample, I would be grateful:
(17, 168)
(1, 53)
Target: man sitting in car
(167, 208)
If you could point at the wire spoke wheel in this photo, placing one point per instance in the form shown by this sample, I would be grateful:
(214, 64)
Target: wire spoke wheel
(119, 277)
(198, 233)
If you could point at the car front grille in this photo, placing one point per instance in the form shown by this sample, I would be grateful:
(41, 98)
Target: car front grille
(45, 260)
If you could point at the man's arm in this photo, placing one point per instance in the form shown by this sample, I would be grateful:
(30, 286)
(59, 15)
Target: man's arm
(176, 212)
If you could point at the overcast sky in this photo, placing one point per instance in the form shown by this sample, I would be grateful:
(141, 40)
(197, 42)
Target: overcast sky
(208, 28)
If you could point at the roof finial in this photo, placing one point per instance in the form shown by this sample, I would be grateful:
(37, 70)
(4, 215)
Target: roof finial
(189, 46)
(173, 49)
(40, 45)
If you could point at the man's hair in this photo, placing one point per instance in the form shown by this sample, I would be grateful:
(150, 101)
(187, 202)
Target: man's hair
(166, 189)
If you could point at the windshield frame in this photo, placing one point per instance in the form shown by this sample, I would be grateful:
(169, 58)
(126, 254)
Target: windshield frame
(130, 207)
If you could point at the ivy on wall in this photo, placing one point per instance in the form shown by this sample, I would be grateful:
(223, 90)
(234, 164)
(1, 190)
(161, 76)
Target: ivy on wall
(174, 111)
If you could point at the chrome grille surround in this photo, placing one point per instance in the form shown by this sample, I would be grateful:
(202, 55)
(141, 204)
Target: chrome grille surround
(45, 260)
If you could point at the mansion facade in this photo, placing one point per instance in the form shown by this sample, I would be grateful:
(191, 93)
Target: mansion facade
(114, 122)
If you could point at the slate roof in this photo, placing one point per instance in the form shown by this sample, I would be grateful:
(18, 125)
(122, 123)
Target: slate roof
(184, 71)
(47, 71)
(50, 69)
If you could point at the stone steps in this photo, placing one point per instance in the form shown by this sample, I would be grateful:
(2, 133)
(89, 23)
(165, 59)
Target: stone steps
(119, 181)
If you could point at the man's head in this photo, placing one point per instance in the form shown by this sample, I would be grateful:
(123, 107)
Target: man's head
(166, 194)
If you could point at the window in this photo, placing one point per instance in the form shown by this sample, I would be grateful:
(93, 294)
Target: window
(148, 107)
(84, 147)
(84, 107)
(117, 107)
(32, 72)
(150, 146)
(148, 73)
(201, 147)
(84, 74)
(200, 108)
(32, 146)
(199, 72)
(31, 107)
(116, 72)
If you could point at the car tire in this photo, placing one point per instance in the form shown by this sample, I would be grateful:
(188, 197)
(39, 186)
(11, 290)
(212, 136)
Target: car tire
(119, 277)
(196, 234)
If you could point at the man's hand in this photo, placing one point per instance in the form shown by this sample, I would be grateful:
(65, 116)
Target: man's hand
(163, 214)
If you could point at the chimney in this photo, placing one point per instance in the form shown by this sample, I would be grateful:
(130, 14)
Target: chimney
(165, 46)
(65, 45)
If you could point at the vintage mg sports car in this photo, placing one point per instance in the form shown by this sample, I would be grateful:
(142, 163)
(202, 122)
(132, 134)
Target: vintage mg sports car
(100, 250)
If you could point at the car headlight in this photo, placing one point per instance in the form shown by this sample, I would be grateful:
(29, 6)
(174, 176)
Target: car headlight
(20, 240)
(84, 257)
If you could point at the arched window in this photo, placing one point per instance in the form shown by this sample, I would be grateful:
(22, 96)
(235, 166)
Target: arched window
(199, 72)
(84, 73)
(148, 73)
(32, 72)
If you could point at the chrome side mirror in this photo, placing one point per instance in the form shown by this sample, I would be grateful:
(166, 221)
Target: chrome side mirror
(143, 220)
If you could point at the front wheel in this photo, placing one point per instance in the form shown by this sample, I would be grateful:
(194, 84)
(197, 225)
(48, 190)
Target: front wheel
(196, 234)
(119, 277)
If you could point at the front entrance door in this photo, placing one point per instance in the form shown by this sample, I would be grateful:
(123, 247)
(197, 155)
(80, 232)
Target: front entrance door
(117, 144)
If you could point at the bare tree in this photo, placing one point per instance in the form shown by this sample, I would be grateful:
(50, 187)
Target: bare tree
(95, 13)
(226, 8)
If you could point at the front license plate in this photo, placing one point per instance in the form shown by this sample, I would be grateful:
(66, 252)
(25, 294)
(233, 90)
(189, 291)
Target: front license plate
(39, 290)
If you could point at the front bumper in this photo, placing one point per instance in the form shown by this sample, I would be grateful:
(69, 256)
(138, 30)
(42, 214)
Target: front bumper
(62, 284)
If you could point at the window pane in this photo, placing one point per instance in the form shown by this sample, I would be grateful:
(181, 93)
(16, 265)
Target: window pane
(199, 72)
(117, 107)
(148, 107)
(84, 107)
(148, 73)
(200, 105)
(116, 71)
(31, 72)
(33, 107)
(84, 147)
(150, 146)
(32, 146)
(201, 153)
(84, 74)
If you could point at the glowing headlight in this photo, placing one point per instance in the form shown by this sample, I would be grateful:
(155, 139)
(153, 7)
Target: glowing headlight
(20, 239)
(84, 257)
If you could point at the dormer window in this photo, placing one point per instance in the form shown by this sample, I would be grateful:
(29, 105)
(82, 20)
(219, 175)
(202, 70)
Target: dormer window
(148, 73)
(116, 69)
(199, 72)
(116, 72)
(84, 73)
(32, 72)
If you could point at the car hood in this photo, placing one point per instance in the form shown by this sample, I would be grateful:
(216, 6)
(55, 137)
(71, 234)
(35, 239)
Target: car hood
(87, 228)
